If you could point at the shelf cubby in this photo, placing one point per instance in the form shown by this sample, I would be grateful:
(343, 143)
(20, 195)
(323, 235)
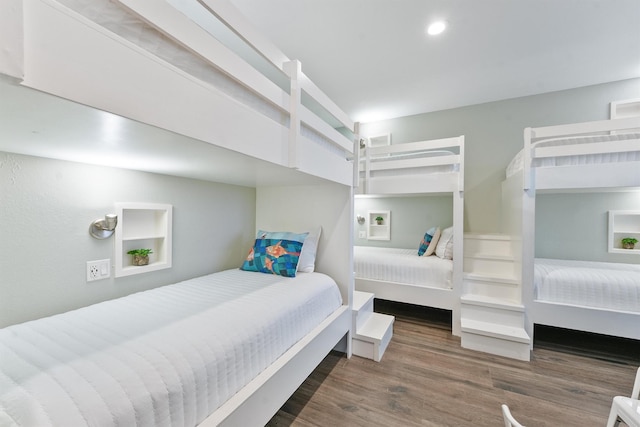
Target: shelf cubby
(623, 224)
(143, 225)
(380, 231)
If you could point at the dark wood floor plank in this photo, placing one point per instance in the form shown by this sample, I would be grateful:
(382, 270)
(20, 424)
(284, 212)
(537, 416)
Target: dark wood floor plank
(426, 379)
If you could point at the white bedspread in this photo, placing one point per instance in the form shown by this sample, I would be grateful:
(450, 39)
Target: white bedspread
(516, 163)
(402, 266)
(585, 283)
(165, 357)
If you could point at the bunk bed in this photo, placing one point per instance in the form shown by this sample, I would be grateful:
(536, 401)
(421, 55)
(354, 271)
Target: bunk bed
(592, 156)
(423, 167)
(164, 64)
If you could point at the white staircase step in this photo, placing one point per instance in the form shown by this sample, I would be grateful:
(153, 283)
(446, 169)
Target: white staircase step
(361, 300)
(491, 256)
(496, 278)
(492, 310)
(491, 265)
(500, 244)
(362, 308)
(506, 341)
(372, 338)
(495, 330)
(492, 302)
(505, 287)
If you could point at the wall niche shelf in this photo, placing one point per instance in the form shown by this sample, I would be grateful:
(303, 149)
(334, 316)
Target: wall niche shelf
(380, 231)
(143, 226)
(623, 224)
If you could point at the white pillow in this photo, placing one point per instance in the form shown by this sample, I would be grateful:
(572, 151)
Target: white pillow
(444, 249)
(434, 242)
(307, 262)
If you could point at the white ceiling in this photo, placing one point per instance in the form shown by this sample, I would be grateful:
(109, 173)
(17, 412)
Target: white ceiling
(373, 59)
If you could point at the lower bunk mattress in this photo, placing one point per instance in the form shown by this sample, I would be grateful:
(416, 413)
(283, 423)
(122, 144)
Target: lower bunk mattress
(605, 285)
(402, 266)
(165, 357)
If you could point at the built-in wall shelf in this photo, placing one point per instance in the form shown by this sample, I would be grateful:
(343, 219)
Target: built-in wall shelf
(623, 224)
(379, 230)
(143, 226)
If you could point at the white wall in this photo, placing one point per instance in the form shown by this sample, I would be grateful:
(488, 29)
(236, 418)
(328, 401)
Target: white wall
(303, 208)
(47, 206)
(494, 134)
(411, 217)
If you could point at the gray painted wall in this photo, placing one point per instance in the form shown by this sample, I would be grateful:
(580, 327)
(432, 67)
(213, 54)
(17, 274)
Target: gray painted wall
(47, 206)
(575, 226)
(494, 134)
(411, 217)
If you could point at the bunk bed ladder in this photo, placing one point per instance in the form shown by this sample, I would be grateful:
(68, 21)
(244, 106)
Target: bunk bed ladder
(492, 314)
(373, 331)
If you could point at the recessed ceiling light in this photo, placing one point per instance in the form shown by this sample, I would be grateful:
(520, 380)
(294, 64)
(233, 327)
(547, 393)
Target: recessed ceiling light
(436, 28)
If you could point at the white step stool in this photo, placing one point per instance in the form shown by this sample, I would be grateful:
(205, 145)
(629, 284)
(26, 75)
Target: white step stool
(373, 331)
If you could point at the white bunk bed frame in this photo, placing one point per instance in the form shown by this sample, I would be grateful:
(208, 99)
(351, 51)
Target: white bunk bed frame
(47, 36)
(565, 178)
(419, 155)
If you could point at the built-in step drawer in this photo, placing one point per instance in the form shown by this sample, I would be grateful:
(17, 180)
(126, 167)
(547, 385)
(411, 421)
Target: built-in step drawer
(372, 338)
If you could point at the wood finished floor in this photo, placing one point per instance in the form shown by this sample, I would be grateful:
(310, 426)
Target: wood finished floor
(426, 379)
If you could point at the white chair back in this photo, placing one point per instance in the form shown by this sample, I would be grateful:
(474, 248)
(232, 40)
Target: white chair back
(626, 408)
(635, 394)
(509, 421)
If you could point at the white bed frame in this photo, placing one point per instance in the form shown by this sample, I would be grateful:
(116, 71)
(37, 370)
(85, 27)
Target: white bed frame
(519, 199)
(58, 36)
(419, 182)
(58, 51)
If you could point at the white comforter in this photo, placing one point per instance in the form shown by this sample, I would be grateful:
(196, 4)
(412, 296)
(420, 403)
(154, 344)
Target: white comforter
(593, 284)
(165, 357)
(402, 266)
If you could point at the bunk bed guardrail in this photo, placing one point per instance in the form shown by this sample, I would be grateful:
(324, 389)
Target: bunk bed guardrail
(247, 75)
(534, 137)
(446, 154)
(300, 126)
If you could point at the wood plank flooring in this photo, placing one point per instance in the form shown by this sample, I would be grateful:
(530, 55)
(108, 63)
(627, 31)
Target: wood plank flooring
(426, 379)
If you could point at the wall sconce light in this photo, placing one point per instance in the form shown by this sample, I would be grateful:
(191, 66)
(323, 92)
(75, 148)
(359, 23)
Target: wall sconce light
(360, 219)
(104, 228)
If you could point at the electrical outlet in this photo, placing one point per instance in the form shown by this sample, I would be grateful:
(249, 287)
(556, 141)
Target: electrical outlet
(98, 270)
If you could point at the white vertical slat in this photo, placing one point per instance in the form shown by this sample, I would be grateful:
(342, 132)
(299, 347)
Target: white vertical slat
(526, 158)
(293, 70)
(356, 155)
(461, 165)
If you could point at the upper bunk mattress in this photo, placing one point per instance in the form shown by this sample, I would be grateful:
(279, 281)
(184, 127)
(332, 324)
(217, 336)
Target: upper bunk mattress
(516, 163)
(402, 266)
(165, 357)
(585, 283)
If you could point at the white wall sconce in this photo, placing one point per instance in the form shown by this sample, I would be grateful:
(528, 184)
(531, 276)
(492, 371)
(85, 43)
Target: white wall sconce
(360, 219)
(104, 228)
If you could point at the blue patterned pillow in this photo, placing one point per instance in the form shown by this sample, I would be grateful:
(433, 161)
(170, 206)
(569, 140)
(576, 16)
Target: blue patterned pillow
(275, 256)
(426, 240)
